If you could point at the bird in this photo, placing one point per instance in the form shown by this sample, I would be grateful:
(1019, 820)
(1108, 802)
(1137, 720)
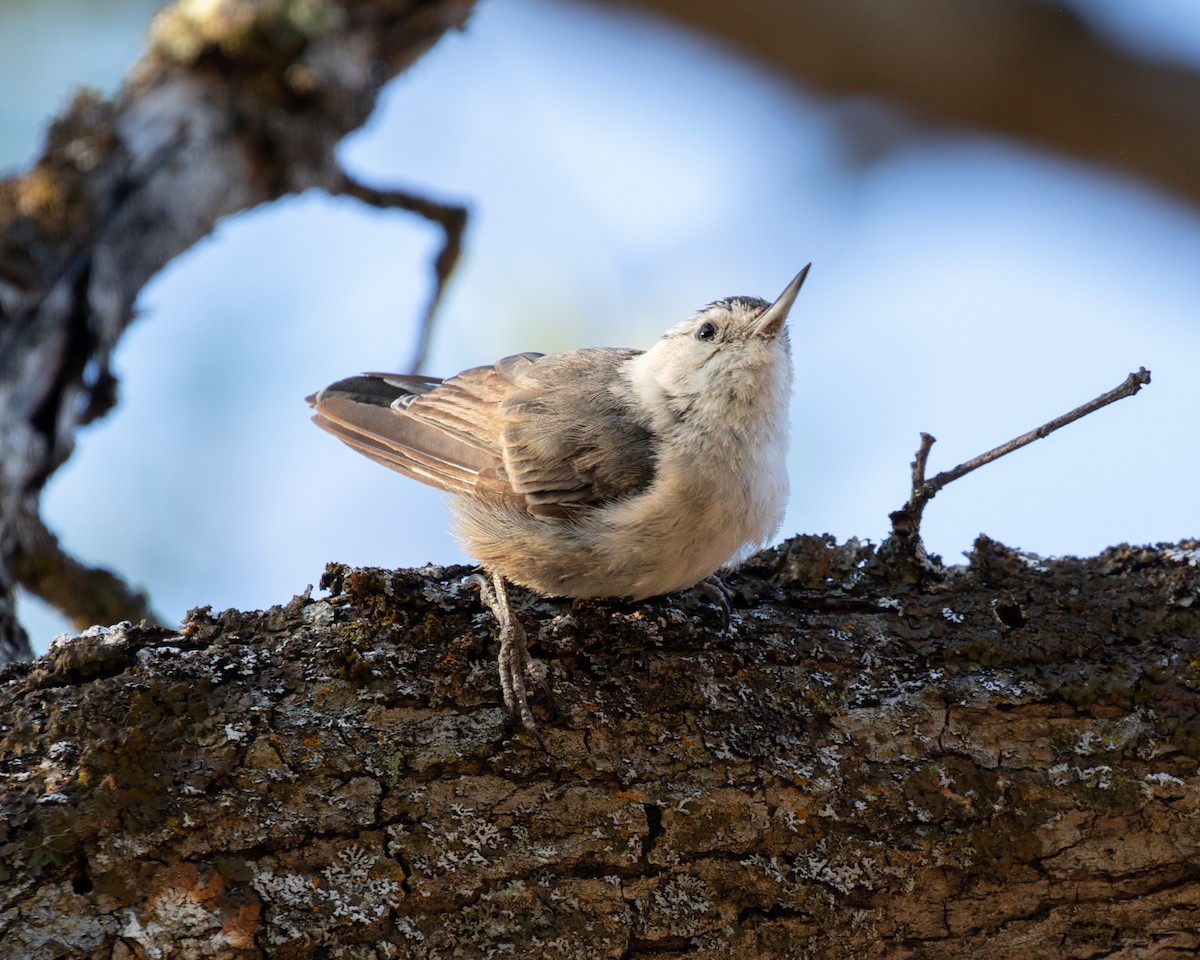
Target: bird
(603, 472)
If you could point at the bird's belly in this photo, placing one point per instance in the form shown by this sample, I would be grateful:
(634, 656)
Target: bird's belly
(635, 549)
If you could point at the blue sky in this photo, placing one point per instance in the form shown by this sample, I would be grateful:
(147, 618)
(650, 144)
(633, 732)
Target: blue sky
(621, 175)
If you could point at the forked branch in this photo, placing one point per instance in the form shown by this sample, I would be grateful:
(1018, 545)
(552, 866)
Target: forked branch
(906, 522)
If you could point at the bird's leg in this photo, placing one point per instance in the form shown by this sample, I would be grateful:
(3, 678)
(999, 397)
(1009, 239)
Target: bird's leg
(514, 650)
(715, 590)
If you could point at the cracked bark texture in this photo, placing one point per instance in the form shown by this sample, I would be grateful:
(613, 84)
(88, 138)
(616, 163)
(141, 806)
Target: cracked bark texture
(999, 762)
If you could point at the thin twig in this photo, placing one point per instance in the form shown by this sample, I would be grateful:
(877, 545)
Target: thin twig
(922, 457)
(1131, 385)
(906, 522)
(453, 221)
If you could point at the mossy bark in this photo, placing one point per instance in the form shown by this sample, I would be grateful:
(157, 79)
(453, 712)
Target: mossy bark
(998, 763)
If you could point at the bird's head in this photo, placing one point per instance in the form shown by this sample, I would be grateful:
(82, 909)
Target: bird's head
(730, 360)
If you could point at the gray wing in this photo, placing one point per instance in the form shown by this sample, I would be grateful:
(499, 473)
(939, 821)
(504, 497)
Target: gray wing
(571, 436)
(545, 434)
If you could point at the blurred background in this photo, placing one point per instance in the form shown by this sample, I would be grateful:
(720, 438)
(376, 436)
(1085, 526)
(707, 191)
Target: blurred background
(623, 169)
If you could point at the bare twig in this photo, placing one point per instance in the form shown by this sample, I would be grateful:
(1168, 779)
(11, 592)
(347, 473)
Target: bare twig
(906, 522)
(922, 457)
(453, 221)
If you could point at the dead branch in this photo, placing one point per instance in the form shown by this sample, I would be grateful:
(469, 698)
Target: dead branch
(906, 522)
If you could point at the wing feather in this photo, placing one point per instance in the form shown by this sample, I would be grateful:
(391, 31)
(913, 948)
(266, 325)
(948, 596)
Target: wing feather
(548, 435)
(573, 437)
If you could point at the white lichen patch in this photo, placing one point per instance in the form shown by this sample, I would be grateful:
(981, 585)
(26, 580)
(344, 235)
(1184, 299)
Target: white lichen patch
(176, 916)
(1166, 786)
(354, 889)
(840, 869)
(1180, 554)
(318, 614)
(183, 915)
(843, 877)
(1098, 777)
(471, 842)
(1033, 561)
(116, 634)
(682, 905)
(545, 917)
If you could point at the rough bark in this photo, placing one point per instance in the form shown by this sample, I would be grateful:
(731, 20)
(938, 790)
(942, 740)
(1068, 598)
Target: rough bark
(1000, 761)
(1000, 764)
(235, 104)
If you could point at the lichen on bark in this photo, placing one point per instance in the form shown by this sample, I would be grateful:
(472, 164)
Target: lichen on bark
(1001, 763)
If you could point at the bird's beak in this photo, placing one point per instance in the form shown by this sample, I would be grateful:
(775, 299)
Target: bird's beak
(771, 322)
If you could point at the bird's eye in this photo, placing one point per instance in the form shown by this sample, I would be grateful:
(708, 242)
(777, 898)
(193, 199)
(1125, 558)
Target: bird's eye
(706, 331)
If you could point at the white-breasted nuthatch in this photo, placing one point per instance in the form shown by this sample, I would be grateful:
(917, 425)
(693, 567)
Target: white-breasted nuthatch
(604, 472)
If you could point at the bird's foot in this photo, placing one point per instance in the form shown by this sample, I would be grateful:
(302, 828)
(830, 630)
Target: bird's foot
(714, 590)
(514, 660)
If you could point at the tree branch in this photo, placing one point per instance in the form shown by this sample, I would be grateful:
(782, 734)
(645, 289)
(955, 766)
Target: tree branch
(85, 595)
(1022, 68)
(1006, 767)
(906, 522)
(234, 105)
